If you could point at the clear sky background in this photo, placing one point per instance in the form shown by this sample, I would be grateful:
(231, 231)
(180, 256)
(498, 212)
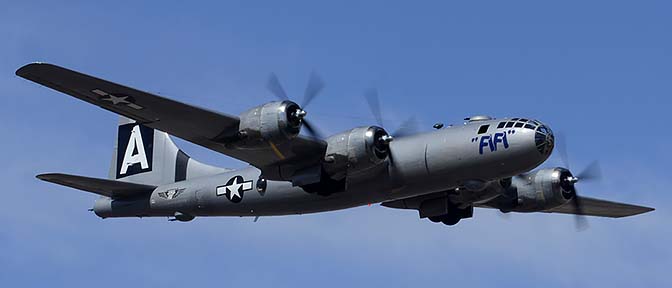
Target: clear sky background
(598, 71)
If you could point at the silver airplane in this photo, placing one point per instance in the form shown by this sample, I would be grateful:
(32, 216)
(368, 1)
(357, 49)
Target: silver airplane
(444, 174)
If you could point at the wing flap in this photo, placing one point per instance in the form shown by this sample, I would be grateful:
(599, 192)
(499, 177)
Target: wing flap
(105, 187)
(602, 208)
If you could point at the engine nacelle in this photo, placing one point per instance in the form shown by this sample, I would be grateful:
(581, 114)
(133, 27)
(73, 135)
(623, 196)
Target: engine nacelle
(355, 151)
(277, 122)
(541, 190)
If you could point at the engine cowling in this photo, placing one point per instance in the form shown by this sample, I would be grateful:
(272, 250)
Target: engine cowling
(541, 190)
(278, 121)
(355, 151)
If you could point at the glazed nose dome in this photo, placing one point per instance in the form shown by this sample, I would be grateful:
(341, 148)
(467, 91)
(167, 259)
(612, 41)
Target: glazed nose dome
(544, 139)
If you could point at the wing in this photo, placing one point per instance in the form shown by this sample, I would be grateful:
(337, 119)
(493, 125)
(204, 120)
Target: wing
(204, 127)
(602, 208)
(105, 187)
(591, 206)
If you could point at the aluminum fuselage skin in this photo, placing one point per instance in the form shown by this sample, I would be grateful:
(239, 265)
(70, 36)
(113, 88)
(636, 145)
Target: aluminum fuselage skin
(439, 160)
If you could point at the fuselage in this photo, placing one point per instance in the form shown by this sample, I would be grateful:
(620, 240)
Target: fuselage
(463, 156)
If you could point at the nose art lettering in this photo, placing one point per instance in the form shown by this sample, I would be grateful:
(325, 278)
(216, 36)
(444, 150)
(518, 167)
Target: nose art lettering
(493, 142)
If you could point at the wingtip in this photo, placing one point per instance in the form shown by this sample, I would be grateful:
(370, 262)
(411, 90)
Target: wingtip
(46, 176)
(25, 69)
(642, 210)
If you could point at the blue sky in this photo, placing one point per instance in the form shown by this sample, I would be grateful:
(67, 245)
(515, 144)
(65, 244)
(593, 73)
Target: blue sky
(598, 71)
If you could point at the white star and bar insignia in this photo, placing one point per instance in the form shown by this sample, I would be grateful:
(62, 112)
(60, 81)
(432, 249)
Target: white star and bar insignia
(234, 188)
(117, 99)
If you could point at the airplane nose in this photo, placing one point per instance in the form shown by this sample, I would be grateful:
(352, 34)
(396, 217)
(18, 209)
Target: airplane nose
(544, 140)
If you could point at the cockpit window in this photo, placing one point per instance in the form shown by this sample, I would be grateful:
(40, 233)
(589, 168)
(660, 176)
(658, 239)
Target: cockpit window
(515, 119)
(528, 126)
(509, 124)
(523, 120)
(519, 124)
(483, 129)
(501, 125)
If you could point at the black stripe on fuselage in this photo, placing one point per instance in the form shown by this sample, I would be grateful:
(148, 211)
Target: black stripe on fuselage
(181, 166)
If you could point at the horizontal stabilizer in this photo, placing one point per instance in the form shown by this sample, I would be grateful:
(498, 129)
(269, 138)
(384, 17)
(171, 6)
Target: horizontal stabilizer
(105, 187)
(602, 208)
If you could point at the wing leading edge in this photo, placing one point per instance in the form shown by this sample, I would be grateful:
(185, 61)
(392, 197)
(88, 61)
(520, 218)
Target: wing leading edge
(203, 127)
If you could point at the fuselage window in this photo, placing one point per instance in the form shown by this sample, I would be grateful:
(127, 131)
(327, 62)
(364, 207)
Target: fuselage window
(509, 124)
(519, 124)
(483, 129)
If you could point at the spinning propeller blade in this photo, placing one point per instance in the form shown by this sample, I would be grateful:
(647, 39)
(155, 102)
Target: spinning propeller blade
(409, 127)
(581, 222)
(312, 130)
(315, 85)
(275, 87)
(372, 99)
(561, 147)
(591, 172)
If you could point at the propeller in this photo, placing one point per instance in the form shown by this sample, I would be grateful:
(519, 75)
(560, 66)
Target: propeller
(592, 172)
(408, 127)
(314, 87)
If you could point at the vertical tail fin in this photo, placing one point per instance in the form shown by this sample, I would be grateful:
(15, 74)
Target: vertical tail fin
(146, 156)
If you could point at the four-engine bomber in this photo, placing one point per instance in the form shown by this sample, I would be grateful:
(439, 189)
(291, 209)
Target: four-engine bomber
(443, 173)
